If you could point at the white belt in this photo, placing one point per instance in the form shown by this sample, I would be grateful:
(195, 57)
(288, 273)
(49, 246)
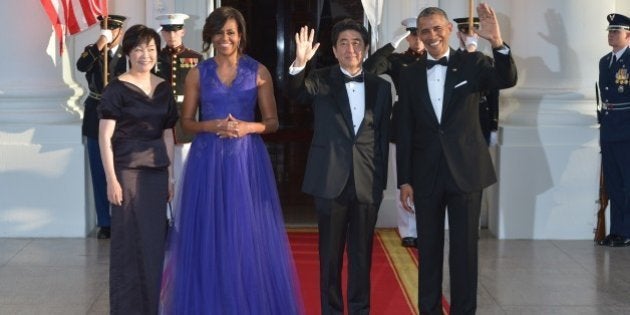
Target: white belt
(179, 98)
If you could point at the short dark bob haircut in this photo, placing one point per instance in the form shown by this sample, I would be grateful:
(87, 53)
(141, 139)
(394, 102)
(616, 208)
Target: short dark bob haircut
(137, 35)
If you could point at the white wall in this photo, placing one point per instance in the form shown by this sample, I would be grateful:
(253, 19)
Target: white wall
(548, 157)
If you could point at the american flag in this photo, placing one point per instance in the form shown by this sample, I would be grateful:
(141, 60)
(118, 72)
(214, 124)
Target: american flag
(73, 16)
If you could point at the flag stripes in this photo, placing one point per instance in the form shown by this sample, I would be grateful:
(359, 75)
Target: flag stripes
(72, 16)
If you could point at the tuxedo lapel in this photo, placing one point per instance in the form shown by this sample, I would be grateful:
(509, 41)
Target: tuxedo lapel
(452, 76)
(341, 98)
(370, 99)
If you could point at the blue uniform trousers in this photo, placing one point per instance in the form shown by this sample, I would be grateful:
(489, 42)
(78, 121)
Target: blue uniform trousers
(99, 184)
(616, 162)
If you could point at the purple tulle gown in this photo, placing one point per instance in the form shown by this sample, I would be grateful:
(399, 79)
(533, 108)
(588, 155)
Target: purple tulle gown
(230, 252)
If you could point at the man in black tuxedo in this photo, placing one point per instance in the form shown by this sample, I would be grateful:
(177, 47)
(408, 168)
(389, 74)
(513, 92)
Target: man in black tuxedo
(346, 170)
(443, 160)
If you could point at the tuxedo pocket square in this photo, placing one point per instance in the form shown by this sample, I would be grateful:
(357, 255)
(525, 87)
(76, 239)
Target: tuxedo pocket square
(460, 84)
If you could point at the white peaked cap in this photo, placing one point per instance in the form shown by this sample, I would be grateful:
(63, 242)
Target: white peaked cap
(172, 18)
(409, 23)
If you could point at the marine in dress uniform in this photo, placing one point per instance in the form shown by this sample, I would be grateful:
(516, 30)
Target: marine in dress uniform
(174, 62)
(614, 119)
(91, 62)
(386, 61)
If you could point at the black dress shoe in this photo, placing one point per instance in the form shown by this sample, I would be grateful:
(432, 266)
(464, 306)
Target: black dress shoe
(607, 240)
(409, 242)
(104, 233)
(620, 241)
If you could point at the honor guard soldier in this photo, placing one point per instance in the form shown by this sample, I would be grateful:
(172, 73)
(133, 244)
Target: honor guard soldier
(386, 61)
(614, 119)
(488, 100)
(174, 62)
(92, 63)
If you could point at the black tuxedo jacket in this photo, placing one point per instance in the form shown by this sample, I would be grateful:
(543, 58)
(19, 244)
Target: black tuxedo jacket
(335, 150)
(457, 139)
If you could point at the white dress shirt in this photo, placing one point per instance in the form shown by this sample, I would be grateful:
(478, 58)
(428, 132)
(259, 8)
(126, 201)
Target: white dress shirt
(617, 55)
(435, 83)
(356, 96)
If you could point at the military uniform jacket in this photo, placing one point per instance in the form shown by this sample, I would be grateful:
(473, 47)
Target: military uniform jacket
(614, 85)
(91, 62)
(386, 61)
(489, 112)
(173, 66)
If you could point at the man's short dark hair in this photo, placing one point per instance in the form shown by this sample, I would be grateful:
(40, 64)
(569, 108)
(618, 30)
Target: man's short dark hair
(352, 25)
(432, 11)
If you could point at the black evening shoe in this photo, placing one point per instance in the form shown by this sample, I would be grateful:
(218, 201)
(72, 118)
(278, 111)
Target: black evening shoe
(607, 241)
(104, 233)
(620, 241)
(409, 242)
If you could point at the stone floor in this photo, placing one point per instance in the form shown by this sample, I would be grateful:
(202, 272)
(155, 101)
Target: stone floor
(69, 276)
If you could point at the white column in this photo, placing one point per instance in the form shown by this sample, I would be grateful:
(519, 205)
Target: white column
(549, 153)
(42, 176)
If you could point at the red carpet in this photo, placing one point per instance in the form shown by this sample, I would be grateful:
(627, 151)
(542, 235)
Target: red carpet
(394, 273)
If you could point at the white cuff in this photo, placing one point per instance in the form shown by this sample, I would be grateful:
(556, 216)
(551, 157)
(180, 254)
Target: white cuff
(295, 70)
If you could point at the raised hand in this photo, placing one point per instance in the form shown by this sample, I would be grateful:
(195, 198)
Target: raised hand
(304, 47)
(488, 25)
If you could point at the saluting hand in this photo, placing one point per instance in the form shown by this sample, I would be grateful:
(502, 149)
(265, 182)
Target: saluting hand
(304, 47)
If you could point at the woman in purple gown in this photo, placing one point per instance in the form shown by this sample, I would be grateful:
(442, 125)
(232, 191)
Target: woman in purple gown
(230, 252)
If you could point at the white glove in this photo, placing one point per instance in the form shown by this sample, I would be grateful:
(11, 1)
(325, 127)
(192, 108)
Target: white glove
(399, 38)
(494, 138)
(108, 35)
(471, 42)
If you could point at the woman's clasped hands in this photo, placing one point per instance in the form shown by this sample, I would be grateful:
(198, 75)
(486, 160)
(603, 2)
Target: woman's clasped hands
(231, 127)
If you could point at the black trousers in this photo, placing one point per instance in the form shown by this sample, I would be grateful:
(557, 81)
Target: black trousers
(137, 243)
(463, 220)
(345, 220)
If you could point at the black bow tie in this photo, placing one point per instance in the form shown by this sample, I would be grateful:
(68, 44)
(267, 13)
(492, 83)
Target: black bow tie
(347, 78)
(442, 61)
